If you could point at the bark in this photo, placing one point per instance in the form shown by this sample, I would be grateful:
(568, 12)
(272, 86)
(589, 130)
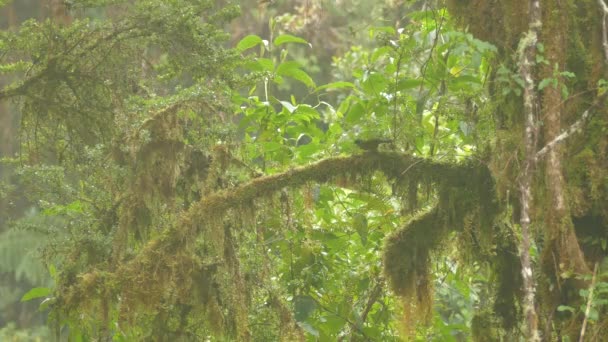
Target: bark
(527, 58)
(561, 238)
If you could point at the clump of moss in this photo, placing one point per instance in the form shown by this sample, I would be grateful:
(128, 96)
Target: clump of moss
(407, 257)
(464, 203)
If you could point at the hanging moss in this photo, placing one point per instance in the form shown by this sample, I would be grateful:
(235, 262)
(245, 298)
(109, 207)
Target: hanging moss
(198, 253)
(406, 262)
(506, 279)
(408, 250)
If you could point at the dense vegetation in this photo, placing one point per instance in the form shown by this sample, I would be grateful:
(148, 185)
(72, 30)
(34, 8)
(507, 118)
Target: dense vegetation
(198, 170)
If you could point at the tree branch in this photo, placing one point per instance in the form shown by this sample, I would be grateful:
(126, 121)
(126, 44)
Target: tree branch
(575, 127)
(158, 254)
(589, 301)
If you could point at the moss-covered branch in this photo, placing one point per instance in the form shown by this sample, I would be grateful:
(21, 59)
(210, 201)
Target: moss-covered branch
(167, 262)
(396, 166)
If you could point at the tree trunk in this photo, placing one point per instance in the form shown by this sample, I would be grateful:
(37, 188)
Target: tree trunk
(559, 228)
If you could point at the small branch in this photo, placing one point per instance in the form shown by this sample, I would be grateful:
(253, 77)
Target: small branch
(575, 127)
(589, 301)
(373, 297)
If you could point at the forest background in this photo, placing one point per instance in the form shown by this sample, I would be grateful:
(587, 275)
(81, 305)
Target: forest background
(188, 170)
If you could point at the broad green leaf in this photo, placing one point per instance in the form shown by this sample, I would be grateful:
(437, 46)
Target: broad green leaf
(544, 83)
(305, 113)
(308, 150)
(36, 292)
(287, 38)
(248, 42)
(355, 113)
(568, 74)
(309, 329)
(266, 64)
(381, 29)
(292, 69)
(562, 308)
(408, 83)
(334, 323)
(304, 306)
(593, 314)
(271, 146)
(465, 79)
(380, 52)
(335, 85)
(375, 83)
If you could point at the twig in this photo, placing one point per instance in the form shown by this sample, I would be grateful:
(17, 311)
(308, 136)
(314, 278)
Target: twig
(589, 300)
(373, 297)
(577, 126)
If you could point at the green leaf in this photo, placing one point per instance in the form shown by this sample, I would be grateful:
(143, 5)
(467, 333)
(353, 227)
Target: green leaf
(75, 207)
(305, 113)
(360, 225)
(408, 83)
(355, 113)
(36, 292)
(292, 69)
(334, 323)
(287, 38)
(304, 306)
(540, 47)
(375, 83)
(544, 83)
(564, 91)
(248, 42)
(563, 308)
(266, 64)
(465, 79)
(309, 329)
(308, 150)
(336, 85)
(385, 50)
(593, 314)
(568, 74)
(52, 271)
(271, 146)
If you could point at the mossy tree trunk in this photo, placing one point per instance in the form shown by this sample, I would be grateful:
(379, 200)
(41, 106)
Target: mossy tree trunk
(565, 191)
(528, 51)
